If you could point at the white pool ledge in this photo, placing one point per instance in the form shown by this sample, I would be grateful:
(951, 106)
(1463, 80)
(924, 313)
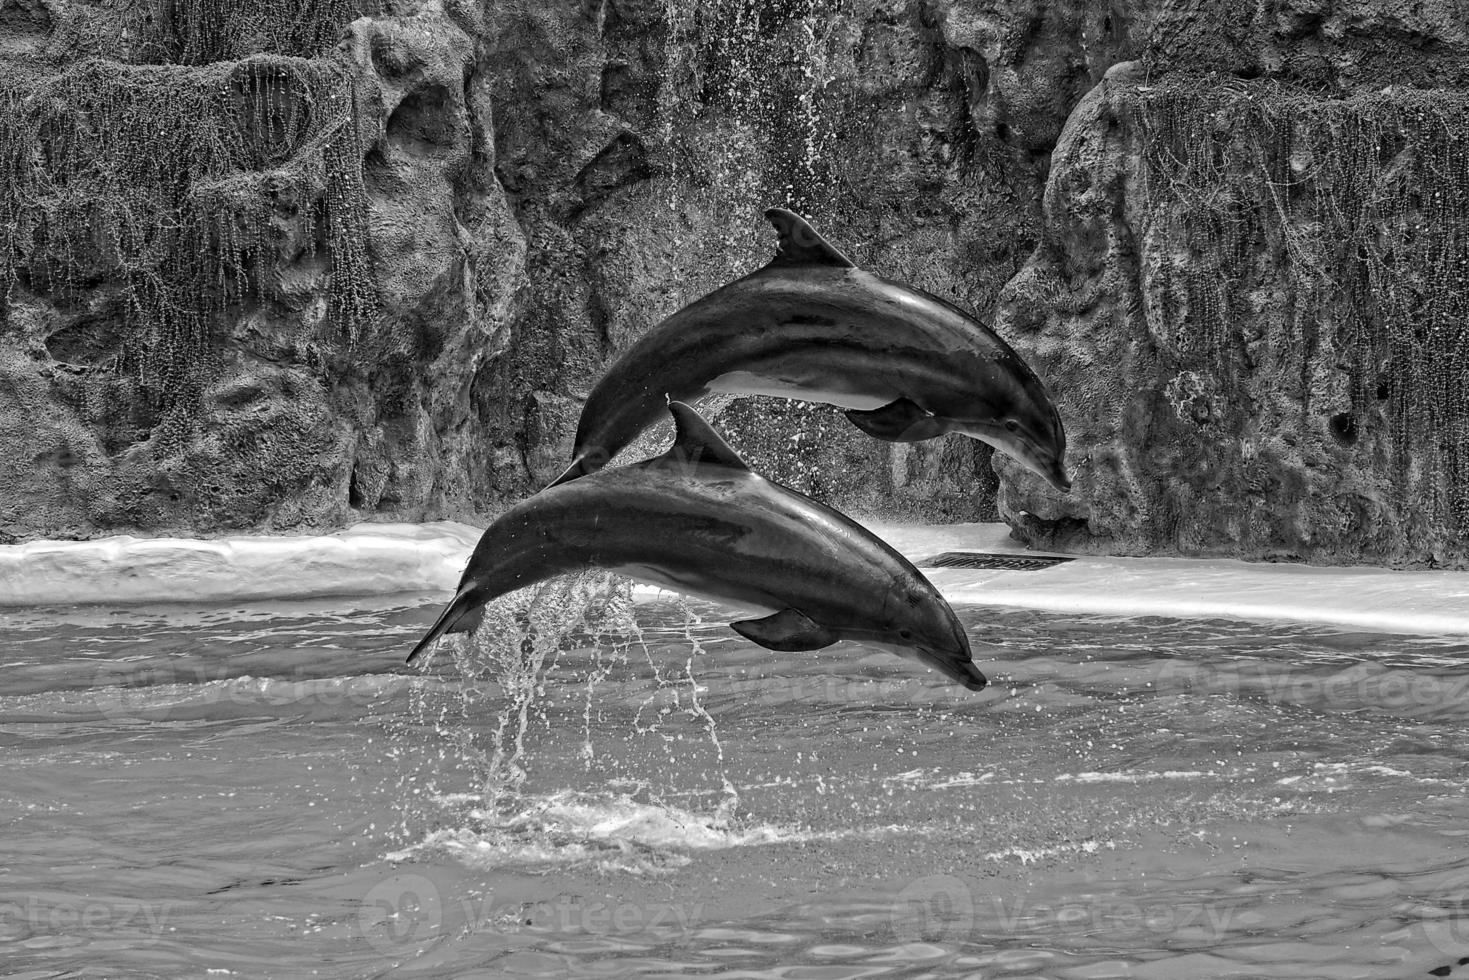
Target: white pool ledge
(387, 558)
(1372, 599)
(365, 559)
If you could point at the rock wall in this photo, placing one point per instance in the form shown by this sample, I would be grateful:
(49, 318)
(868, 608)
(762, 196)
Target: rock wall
(276, 265)
(254, 259)
(415, 232)
(1251, 294)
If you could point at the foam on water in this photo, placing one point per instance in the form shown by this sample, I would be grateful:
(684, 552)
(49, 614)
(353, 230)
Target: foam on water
(1030, 855)
(614, 832)
(923, 779)
(1133, 776)
(609, 831)
(503, 666)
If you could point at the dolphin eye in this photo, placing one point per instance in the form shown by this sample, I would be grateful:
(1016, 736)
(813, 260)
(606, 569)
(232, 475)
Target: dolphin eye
(905, 634)
(1012, 425)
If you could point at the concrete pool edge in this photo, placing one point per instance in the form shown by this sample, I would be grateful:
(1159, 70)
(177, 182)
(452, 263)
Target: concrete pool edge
(388, 558)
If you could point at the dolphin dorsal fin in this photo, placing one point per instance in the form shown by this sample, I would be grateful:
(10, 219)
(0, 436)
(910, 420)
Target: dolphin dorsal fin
(695, 442)
(800, 244)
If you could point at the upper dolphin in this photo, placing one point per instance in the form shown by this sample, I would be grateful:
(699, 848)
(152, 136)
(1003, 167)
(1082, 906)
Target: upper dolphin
(697, 520)
(811, 325)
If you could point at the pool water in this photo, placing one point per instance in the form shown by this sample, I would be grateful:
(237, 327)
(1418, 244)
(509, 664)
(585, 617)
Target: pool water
(266, 790)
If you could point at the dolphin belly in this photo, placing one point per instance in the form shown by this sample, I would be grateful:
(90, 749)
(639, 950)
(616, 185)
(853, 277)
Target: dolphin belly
(695, 585)
(830, 390)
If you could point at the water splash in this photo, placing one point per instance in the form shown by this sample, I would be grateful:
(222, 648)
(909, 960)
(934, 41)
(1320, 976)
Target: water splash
(608, 831)
(683, 693)
(584, 622)
(505, 661)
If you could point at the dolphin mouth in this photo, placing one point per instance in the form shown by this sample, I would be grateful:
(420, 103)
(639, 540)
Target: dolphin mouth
(1046, 465)
(954, 662)
(1058, 477)
(956, 666)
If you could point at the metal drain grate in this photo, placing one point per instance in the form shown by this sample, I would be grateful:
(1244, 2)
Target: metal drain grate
(978, 559)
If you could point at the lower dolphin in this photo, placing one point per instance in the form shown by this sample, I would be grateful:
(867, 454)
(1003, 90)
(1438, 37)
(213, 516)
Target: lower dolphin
(697, 520)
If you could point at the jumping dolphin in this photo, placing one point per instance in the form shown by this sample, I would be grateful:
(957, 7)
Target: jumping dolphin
(811, 325)
(697, 520)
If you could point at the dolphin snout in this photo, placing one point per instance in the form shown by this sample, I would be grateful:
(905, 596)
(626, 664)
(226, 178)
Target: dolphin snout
(951, 654)
(1046, 459)
(1046, 462)
(1046, 465)
(1058, 478)
(955, 665)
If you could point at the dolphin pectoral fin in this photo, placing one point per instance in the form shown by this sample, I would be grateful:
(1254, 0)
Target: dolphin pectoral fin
(785, 631)
(897, 421)
(800, 244)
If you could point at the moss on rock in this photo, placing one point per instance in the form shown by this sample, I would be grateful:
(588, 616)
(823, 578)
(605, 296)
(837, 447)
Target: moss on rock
(1281, 281)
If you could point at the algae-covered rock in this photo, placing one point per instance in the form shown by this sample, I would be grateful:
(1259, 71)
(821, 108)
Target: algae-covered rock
(1251, 303)
(245, 244)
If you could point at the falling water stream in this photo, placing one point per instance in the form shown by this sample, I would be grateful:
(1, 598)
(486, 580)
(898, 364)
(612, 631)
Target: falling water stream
(503, 668)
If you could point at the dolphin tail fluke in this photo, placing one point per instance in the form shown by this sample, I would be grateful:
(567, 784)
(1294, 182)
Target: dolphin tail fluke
(956, 667)
(580, 466)
(462, 613)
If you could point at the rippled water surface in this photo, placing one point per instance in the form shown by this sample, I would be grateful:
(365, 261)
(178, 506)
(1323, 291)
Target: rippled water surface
(267, 791)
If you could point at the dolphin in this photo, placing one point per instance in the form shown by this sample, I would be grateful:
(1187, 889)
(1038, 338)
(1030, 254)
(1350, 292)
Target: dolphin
(697, 520)
(811, 325)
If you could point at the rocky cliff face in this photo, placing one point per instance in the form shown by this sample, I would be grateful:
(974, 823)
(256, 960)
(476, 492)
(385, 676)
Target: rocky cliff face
(275, 265)
(254, 258)
(325, 260)
(1251, 294)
